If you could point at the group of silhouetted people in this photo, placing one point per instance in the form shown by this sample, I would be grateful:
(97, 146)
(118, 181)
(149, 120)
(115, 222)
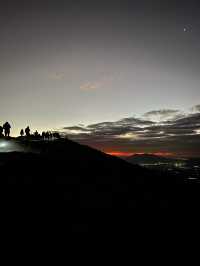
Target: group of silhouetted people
(48, 135)
(5, 130)
(26, 132)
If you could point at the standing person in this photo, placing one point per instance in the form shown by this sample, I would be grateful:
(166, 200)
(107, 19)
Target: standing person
(7, 128)
(22, 133)
(50, 135)
(36, 134)
(47, 135)
(43, 135)
(27, 131)
(1, 131)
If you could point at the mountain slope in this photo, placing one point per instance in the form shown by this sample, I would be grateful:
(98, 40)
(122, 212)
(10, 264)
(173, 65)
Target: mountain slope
(74, 183)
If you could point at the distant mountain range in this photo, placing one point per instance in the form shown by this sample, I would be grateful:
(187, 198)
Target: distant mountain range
(143, 159)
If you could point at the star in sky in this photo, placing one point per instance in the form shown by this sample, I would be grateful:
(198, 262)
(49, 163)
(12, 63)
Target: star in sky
(187, 29)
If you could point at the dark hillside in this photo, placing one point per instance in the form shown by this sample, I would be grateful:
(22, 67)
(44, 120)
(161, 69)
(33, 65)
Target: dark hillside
(76, 182)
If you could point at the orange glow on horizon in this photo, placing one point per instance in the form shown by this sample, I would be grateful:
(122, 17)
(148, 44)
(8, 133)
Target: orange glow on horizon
(126, 154)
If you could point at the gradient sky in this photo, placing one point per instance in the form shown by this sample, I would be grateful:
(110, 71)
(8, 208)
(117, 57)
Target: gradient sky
(64, 63)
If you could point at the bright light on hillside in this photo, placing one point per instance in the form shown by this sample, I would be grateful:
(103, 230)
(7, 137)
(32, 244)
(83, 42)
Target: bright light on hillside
(3, 144)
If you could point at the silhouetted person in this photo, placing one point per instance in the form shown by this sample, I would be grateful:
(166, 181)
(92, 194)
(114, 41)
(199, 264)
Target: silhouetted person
(22, 133)
(43, 135)
(27, 131)
(56, 135)
(47, 135)
(1, 131)
(36, 134)
(6, 128)
(50, 135)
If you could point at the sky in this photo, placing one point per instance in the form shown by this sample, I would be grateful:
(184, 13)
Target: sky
(66, 64)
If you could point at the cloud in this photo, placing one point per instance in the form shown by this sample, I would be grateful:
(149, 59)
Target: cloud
(162, 114)
(196, 108)
(76, 128)
(179, 136)
(103, 81)
(90, 86)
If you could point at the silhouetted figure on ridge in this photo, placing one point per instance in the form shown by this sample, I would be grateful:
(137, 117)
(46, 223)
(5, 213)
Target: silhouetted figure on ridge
(6, 128)
(22, 133)
(27, 131)
(50, 135)
(47, 135)
(56, 135)
(36, 134)
(43, 135)
(1, 131)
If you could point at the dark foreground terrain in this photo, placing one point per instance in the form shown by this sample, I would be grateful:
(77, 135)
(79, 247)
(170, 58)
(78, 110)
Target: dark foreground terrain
(64, 183)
